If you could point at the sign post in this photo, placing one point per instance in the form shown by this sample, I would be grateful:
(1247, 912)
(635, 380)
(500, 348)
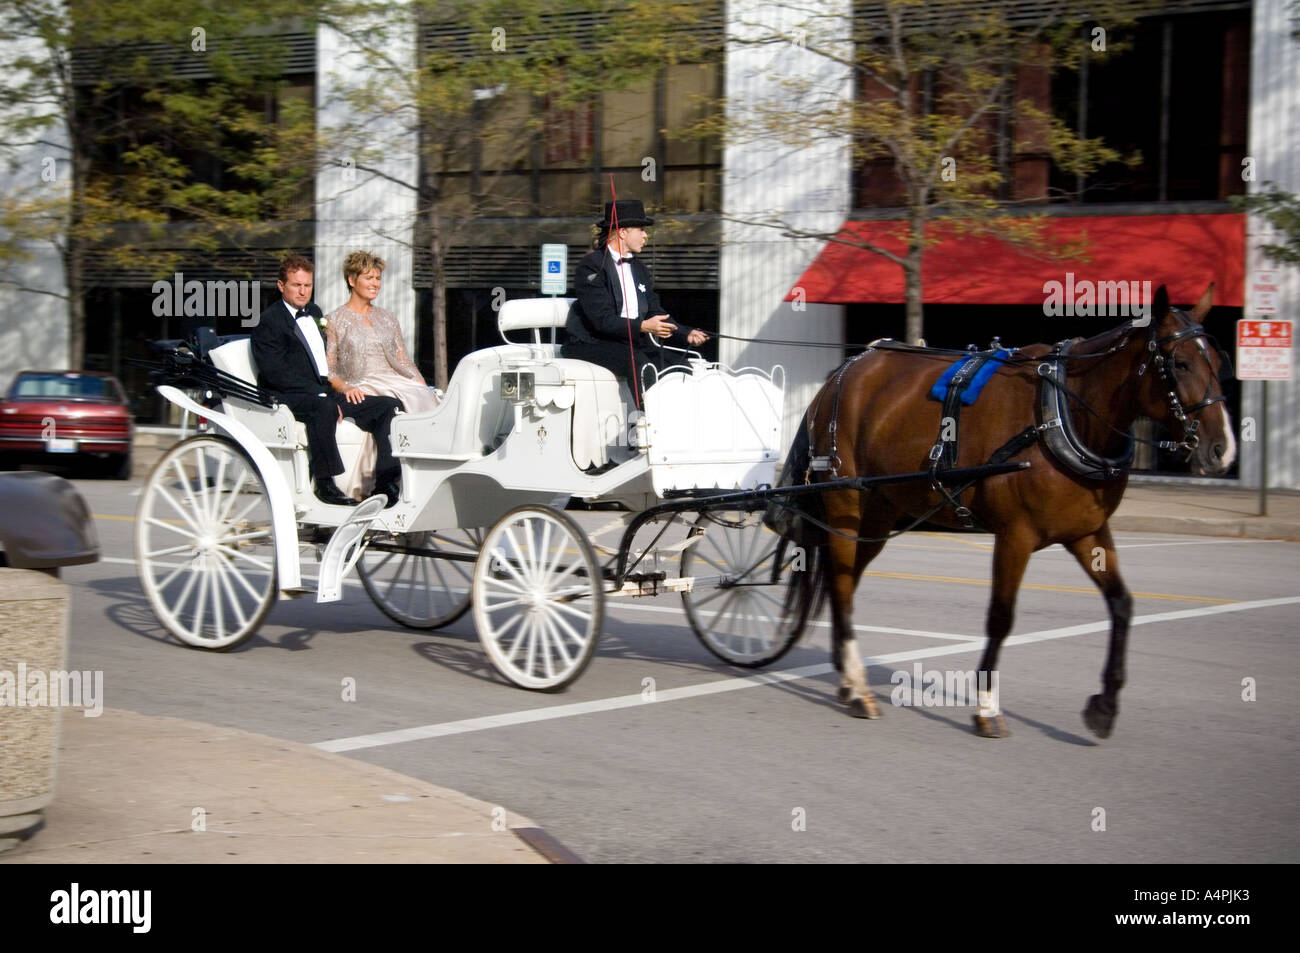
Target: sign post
(1264, 353)
(555, 272)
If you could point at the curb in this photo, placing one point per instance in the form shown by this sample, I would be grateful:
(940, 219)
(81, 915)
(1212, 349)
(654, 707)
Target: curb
(1244, 527)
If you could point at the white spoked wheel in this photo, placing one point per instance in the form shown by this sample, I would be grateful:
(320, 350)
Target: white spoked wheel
(203, 542)
(414, 579)
(743, 605)
(539, 598)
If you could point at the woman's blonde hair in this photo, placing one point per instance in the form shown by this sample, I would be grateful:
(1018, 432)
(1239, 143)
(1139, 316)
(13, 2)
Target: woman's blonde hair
(358, 263)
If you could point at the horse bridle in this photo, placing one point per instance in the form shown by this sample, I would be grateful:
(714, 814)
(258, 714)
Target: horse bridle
(1165, 364)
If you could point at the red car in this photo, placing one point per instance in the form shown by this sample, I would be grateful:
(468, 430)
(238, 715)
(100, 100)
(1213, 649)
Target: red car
(57, 416)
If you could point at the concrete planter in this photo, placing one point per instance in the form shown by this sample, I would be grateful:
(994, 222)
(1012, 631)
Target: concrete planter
(33, 642)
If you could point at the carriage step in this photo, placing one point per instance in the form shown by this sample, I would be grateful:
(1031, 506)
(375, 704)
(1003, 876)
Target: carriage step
(299, 592)
(652, 584)
(345, 548)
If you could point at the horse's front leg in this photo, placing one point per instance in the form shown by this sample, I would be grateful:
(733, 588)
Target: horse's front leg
(1096, 554)
(1010, 557)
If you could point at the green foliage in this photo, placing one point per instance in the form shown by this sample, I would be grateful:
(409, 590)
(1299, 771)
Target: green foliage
(162, 123)
(1282, 211)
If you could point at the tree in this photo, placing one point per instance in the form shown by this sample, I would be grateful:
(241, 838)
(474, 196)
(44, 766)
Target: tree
(476, 97)
(154, 113)
(934, 80)
(1282, 211)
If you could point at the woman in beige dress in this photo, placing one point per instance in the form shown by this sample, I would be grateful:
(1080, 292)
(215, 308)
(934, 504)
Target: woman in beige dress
(366, 355)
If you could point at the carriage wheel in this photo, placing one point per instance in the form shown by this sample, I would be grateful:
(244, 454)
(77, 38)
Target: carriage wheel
(743, 606)
(421, 591)
(204, 546)
(539, 598)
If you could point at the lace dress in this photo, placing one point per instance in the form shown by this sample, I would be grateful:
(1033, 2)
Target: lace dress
(374, 359)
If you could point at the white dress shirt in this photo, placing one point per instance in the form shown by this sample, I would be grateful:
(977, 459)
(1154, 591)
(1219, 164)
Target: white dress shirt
(626, 284)
(316, 344)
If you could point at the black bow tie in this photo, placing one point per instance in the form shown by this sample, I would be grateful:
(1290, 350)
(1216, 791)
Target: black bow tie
(622, 261)
(302, 313)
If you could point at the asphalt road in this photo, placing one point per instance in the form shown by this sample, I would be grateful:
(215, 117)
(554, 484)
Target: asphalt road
(763, 772)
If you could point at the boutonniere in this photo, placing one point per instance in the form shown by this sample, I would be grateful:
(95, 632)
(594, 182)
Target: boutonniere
(640, 288)
(323, 321)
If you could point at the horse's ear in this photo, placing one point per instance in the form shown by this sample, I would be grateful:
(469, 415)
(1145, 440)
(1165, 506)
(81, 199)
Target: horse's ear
(1160, 306)
(1202, 308)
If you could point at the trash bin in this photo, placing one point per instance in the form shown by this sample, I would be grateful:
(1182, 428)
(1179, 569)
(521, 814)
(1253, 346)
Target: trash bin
(44, 524)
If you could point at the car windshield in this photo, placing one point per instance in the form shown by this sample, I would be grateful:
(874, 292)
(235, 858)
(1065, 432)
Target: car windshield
(65, 387)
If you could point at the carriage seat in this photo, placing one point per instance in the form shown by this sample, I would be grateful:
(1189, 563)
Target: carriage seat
(277, 429)
(601, 401)
(472, 419)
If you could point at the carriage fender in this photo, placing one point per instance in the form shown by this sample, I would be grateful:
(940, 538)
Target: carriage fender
(284, 525)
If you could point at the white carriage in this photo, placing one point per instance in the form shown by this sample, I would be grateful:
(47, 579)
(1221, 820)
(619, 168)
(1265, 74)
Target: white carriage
(226, 516)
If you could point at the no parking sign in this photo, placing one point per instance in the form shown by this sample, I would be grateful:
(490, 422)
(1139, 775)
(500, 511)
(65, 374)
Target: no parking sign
(1264, 350)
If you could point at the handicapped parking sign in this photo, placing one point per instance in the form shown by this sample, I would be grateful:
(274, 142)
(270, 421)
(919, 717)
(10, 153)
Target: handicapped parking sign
(555, 258)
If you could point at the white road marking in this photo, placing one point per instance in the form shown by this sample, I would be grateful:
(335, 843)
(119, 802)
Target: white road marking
(529, 716)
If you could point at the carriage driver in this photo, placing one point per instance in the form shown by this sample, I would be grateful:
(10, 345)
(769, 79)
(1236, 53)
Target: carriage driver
(615, 296)
(290, 357)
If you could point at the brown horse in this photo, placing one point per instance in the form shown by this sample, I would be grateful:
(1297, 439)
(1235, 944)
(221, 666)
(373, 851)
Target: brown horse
(872, 418)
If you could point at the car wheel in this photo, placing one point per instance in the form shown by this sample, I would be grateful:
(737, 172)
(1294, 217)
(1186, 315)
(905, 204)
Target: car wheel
(119, 466)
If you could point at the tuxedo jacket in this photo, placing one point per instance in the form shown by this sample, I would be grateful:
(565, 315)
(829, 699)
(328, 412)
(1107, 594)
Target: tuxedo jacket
(597, 312)
(283, 356)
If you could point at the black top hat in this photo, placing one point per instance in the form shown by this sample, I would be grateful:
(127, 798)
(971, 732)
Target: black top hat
(630, 214)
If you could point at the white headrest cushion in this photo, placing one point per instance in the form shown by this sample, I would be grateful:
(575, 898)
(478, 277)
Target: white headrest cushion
(530, 313)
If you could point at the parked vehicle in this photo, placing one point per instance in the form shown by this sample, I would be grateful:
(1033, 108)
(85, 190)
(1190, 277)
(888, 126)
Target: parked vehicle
(67, 417)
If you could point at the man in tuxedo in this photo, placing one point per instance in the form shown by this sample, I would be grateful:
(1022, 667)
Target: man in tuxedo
(290, 356)
(616, 306)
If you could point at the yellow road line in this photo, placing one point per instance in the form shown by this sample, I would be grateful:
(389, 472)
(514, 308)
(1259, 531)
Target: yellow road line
(948, 537)
(920, 577)
(1088, 590)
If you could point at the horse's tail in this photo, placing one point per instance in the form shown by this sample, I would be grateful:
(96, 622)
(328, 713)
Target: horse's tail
(789, 517)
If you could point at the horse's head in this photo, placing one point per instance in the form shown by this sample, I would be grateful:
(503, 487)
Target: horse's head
(1182, 370)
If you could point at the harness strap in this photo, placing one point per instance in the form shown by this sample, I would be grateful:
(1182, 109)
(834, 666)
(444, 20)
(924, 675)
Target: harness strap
(943, 455)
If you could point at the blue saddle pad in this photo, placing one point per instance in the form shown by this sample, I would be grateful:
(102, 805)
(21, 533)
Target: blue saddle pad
(940, 389)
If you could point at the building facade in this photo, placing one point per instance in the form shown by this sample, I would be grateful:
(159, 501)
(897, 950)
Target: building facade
(1208, 96)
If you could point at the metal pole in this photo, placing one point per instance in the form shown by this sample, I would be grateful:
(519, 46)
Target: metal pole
(1263, 448)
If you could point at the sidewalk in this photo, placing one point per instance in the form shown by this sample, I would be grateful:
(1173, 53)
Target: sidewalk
(131, 786)
(1207, 511)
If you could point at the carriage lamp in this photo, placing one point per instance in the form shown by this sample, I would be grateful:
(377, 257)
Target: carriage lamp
(517, 385)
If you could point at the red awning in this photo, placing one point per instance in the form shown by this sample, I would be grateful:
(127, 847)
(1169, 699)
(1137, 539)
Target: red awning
(1184, 252)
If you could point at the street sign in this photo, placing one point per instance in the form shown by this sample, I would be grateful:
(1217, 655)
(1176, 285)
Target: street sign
(1263, 292)
(1264, 350)
(555, 268)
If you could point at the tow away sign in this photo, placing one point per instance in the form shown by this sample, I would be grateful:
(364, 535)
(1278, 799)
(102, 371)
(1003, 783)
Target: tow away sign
(1264, 350)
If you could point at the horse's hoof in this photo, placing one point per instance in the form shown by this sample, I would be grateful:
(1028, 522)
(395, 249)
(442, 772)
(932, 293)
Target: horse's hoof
(844, 693)
(864, 708)
(1099, 716)
(995, 727)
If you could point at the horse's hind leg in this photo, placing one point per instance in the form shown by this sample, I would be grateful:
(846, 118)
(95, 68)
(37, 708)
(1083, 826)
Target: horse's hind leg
(1096, 554)
(846, 561)
(1010, 556)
